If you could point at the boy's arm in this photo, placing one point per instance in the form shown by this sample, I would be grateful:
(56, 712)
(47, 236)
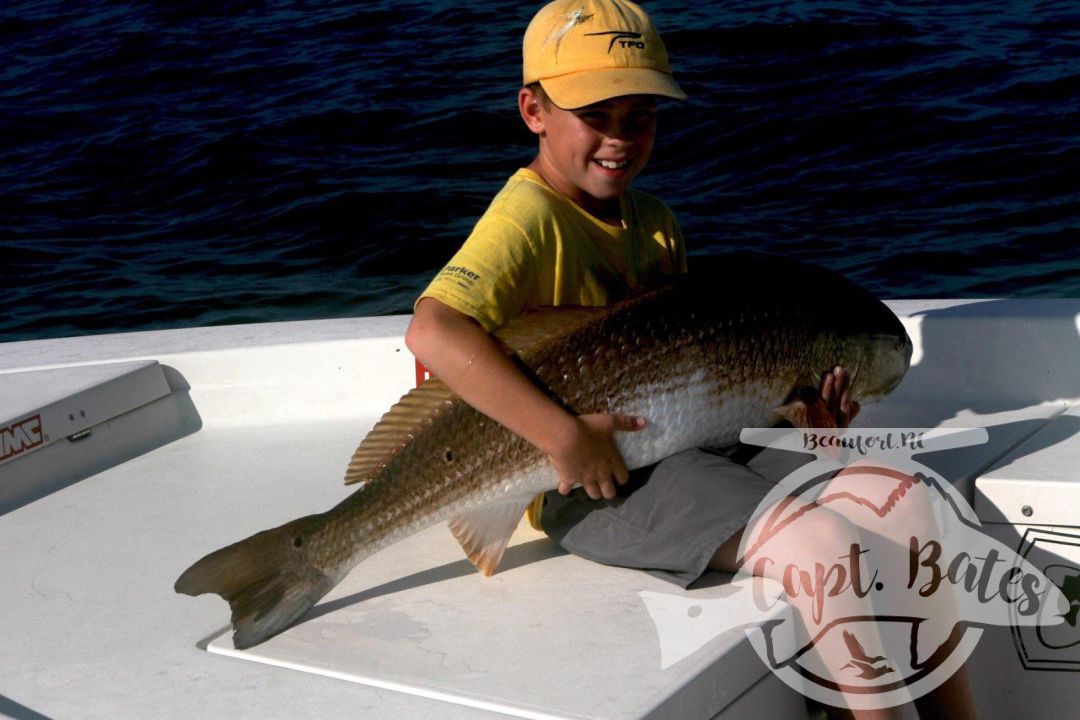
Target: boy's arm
(462, 354)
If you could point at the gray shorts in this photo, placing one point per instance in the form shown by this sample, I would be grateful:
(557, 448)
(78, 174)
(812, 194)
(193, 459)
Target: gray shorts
(672, 517)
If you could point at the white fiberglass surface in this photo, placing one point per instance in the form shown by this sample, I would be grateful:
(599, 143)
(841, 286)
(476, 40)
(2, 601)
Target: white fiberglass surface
(91, 626)
(88, 570)
(419, 619)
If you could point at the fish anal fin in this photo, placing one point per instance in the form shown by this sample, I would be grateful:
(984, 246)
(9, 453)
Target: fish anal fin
(484, 533)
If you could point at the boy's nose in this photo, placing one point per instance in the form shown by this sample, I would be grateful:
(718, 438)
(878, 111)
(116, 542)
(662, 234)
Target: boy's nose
(617, 140)
(619, 132)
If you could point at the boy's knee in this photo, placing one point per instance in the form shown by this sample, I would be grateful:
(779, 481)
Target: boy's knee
(812, 533)
(892, 504)
(828, 529)
(821, 529)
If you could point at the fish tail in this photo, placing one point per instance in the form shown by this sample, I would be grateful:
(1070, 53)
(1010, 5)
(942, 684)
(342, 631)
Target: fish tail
(267, 580)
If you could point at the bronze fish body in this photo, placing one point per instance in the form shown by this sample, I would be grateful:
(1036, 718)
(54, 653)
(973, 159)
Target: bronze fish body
(734, 345)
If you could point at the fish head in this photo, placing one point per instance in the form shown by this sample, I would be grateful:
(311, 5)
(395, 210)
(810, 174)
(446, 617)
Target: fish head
(855, 329)
(826, 318)
(877, 359)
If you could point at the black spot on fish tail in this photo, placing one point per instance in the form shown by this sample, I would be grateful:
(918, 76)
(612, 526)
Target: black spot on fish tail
(266, 579)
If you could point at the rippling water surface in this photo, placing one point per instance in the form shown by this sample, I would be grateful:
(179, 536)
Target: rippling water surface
(176, 164)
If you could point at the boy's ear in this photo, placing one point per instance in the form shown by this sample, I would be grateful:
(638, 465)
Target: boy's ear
(532, 109)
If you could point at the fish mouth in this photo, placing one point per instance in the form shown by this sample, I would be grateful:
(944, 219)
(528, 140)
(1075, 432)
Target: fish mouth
(907, 348)
(882, 365)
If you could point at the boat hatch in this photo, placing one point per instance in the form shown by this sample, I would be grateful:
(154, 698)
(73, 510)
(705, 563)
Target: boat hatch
(60, 425)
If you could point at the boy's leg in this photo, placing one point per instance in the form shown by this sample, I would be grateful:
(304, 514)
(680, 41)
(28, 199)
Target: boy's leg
(668, 519)
(802, 544)
(953, 698)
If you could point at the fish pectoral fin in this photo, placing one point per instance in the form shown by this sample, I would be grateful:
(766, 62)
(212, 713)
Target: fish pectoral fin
(484, 533)
(806, 410)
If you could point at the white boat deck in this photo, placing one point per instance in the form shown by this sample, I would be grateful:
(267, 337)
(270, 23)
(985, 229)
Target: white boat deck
(159, 447)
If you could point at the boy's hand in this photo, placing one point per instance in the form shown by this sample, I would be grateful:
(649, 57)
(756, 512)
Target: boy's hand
(835, 394)
(589, 456)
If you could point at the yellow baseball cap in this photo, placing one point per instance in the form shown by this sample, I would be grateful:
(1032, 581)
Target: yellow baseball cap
(586, 51)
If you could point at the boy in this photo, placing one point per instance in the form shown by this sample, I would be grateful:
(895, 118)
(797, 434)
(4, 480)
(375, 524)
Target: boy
(564, 230)
(568, 229)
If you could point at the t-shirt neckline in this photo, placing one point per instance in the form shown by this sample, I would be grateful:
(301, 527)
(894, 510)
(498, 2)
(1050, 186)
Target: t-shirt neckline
(615, 232)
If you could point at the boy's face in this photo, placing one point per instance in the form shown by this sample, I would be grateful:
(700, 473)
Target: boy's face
(592, 154)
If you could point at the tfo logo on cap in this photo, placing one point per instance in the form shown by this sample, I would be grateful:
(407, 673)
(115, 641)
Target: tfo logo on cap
(622, 38)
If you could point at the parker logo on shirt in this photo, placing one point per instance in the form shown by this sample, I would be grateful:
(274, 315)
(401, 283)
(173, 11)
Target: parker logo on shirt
(466, 278)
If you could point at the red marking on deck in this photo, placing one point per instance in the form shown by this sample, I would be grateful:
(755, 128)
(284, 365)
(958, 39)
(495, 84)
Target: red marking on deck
(422, 373)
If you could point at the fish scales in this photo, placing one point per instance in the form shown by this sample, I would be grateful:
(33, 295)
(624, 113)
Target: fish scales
(699, 360)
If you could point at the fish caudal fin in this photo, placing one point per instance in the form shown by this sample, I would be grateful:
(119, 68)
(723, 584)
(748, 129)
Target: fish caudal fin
(266, 579)
(484, 533)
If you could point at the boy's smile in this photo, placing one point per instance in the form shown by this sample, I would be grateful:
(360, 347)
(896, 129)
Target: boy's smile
(592, 154)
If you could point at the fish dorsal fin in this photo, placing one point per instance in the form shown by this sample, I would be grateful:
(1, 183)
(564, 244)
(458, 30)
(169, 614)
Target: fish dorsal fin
(402, 422)
(522, 336)
(484, 533)
(530, 333)
(525, 337)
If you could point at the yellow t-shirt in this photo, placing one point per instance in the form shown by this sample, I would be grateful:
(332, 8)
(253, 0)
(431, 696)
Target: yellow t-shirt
(534, 247)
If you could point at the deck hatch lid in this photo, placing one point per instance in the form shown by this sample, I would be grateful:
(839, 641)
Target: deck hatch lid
(1038, 482)
(40, 407)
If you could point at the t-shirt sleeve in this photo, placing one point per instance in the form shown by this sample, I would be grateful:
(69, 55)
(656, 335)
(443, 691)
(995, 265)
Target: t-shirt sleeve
(491, 277)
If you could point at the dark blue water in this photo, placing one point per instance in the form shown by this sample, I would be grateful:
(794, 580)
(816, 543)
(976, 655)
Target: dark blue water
(175, 164)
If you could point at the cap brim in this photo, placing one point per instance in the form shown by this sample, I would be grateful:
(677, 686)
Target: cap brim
(592, 86)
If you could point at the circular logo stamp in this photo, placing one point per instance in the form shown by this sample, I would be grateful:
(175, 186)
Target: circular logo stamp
(865, 578)
(885, 571)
